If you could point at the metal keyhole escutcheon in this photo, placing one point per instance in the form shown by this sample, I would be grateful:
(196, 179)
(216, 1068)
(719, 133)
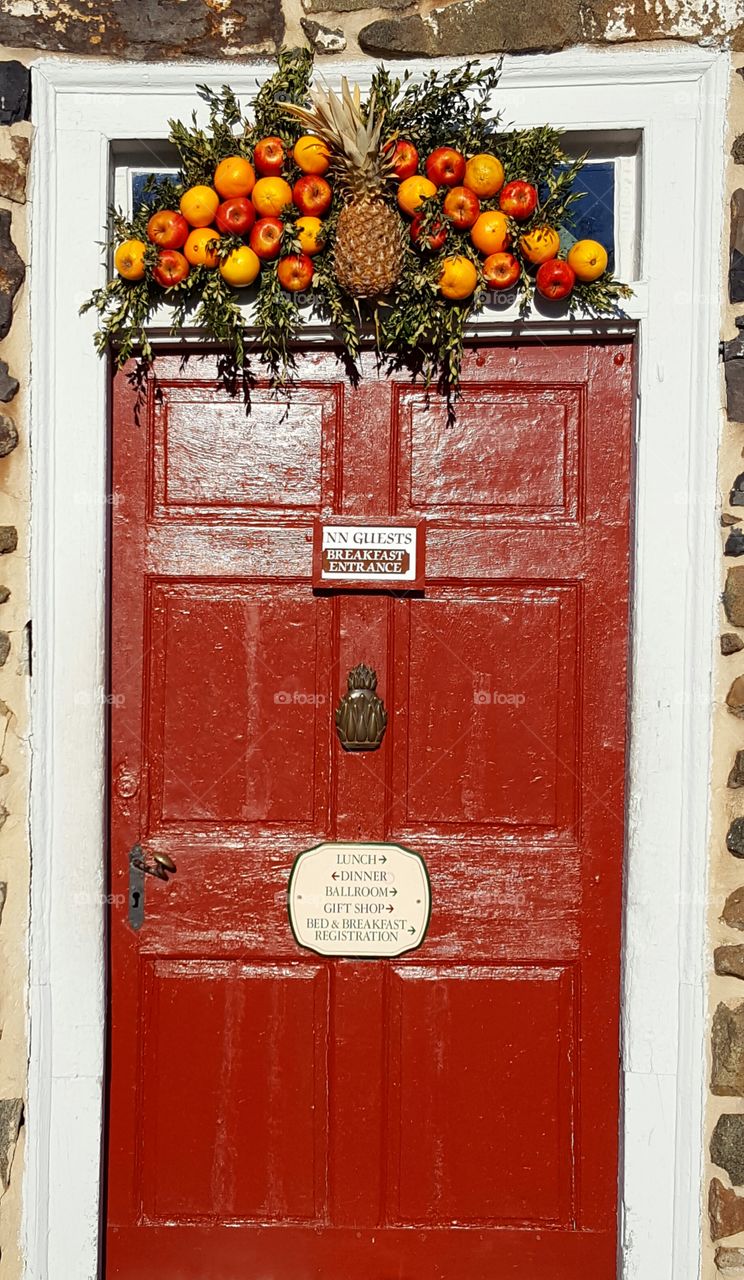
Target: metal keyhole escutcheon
(361, 718)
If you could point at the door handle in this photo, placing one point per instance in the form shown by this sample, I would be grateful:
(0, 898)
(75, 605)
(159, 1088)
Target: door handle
(161, 867)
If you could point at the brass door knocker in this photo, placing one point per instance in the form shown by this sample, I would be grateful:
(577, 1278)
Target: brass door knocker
(361, 718)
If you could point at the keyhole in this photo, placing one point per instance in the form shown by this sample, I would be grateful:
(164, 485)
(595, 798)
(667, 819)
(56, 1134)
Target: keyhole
(135, 899)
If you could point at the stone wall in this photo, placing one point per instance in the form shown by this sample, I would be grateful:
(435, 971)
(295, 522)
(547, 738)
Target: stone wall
(15, 141)
(725, 1253)
(235, 30)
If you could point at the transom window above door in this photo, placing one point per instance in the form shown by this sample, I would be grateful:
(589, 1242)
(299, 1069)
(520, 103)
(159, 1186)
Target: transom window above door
(609, 212)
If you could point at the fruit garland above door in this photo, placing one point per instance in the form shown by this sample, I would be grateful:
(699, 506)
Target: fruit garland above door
(398, 213)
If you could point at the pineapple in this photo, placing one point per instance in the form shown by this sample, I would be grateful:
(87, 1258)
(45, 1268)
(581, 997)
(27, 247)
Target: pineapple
(368, 253)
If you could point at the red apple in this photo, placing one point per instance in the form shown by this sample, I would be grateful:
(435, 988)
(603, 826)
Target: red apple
(518, 200)
(269, 157)
(405, 159)
(445, 167)
(236, 216)
(171, 268)
(295, 272)
(168, 229)
(462, 206)
(312, 195)
(501, 270)
(434, 240)
(266, 238)
(555, 279)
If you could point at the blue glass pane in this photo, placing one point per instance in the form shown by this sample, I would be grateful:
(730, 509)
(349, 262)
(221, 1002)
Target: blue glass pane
(139, 181)
(594, 216)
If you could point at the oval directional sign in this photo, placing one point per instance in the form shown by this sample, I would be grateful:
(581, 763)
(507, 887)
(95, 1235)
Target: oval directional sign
(359, 900)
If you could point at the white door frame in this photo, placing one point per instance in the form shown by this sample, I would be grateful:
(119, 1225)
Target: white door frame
(677, 96)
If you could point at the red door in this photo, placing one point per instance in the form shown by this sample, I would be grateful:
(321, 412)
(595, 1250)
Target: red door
(451, 1114)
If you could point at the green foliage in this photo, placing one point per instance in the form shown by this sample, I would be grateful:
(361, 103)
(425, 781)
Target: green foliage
(290, 83)
(202, 149)
(124, 309)
(450, 109)
(415, 324)
(278, 322)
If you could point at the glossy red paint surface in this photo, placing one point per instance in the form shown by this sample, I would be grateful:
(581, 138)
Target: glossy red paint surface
(453, 1114)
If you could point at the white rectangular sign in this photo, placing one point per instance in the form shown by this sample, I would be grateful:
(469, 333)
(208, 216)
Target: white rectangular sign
(359, 899)
(371, 556)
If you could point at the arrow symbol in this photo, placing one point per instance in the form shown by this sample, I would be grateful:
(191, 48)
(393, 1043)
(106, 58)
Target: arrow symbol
(390, 908)
(393, 892)
(334, 875)
(411, 930)
(383, 858)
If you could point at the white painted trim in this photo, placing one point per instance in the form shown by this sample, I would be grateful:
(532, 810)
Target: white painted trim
(677, 97)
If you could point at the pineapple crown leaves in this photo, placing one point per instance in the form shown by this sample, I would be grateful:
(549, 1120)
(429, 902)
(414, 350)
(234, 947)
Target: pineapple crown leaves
(352, 130)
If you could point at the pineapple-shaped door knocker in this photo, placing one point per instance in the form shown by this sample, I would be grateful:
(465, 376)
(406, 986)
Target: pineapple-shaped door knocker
(361, 717)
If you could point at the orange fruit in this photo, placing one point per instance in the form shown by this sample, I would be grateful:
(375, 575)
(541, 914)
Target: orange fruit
(459, 277)
(412, 191)
(588, 260)
(129, 259)
(234, 176)
(311, 154)
(240, 267)
(540, 245)
(270, 196)
(196, 250)
(484, 174)
(490, 232)
(310, 235)
(199, 205)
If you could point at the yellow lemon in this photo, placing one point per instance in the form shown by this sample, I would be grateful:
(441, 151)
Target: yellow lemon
(129, 259)
(588, 259)
(240, 267)
(311, 154)
(412, 191)
(310, 235)
(459, 277)
(540, 245)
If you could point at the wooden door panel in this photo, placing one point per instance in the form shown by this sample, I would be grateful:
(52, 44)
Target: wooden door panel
(359, 1134)
(235, 1097)
(495, 744)
(225, 748)
(363, 630)
(210, 456)
(224, 1253)
(513, 904)
(278, 1116)
(516, 454)
(466, 1040)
